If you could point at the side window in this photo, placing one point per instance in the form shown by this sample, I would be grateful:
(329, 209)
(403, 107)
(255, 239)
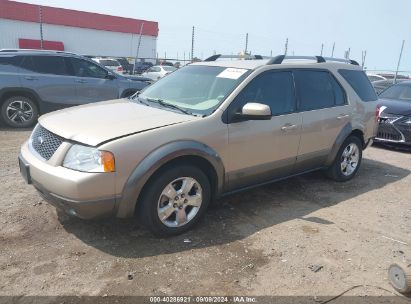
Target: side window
(275, 89)
(84, 68)
(9, 64)
(315, 89)
(55, 65)
(360, 83)
(339, 94)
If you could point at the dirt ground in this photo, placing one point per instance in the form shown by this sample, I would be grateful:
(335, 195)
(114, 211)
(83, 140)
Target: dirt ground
(304, 236)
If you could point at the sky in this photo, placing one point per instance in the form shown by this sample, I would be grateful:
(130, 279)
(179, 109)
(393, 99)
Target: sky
(377, 26)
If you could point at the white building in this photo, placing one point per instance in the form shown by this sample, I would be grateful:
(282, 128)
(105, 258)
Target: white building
(79, 32)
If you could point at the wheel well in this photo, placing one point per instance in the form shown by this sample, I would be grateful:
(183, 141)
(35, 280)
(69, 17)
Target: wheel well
(360, 135)
(128, 92)
(9, 94)
(196, 161)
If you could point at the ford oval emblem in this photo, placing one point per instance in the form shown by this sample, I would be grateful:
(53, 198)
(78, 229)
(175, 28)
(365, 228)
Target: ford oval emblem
(40, 140)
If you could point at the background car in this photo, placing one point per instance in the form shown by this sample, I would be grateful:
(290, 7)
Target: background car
(375, 77)
(127, 67)
(395, 117)
(111, 64)
(158, 71)
(141, 67)
(37, 82)
(381, 85)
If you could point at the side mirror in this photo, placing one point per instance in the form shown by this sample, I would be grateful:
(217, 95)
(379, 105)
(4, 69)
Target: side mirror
(110, 77)
(254, 111)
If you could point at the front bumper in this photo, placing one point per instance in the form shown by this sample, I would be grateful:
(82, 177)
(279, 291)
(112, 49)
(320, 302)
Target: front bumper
(394, 133)
(80, 194)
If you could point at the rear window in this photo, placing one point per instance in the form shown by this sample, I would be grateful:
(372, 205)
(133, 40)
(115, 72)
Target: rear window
(359, 81)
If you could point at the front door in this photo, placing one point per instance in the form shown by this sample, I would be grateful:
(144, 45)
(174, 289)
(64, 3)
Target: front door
(267, 149)
(92, 82)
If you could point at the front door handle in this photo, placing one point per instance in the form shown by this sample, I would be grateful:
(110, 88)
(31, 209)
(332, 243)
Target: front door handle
(31, 78)
(81, 81)
(288, 127)
(343, 116)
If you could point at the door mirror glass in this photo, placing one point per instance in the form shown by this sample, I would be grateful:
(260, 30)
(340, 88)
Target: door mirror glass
(255, 111)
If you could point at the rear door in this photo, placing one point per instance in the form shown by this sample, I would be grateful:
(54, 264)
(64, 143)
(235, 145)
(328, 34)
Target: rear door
(93, 83)
(262, 150)
(50, 78)
(325, 112)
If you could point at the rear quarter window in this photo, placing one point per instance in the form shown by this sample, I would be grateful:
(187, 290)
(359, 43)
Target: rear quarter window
(360, 83)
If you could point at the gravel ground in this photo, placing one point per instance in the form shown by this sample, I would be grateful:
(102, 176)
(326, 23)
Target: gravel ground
(304, 236)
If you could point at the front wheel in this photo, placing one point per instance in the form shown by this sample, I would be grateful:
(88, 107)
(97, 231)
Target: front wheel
(175, 200)
(348, 160)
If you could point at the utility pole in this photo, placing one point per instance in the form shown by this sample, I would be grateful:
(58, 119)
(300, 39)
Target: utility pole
(246, 43)
(399, 61)
(192, 45)
(332, 52)
(363, 57)
(41, 27)
(286, 47)
(322, 48)
(138, 47)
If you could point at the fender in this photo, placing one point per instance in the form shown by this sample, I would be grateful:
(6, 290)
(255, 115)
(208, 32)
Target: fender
(157, 158)
(21, 89)
(344, 133)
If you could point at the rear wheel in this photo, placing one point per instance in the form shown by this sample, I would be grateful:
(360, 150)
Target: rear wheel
(348, 160)
(19, 112)
(175, 200)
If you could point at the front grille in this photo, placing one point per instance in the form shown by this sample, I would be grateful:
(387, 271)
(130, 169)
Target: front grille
(44, 142)
(386, 131)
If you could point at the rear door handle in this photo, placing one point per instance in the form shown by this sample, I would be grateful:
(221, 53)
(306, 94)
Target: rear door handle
(30, 78)
(288, 127)
(81, 81)
(343, 116)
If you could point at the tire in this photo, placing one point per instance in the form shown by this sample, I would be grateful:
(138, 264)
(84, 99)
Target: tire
(348, 160)
(19, 112)
(400, 277)
(179, 215)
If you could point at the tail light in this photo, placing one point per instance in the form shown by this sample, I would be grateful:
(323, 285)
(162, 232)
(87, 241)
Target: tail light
(377, 113)
(120, 69)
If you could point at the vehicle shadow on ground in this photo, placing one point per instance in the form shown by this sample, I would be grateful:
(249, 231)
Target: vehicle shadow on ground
(240, 215)
(393, 147)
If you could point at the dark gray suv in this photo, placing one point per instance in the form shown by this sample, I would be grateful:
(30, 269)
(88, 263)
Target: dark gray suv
(36, 82)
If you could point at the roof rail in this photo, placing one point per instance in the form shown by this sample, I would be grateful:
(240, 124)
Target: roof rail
(279, 59)
(34, 50)
(246, 57)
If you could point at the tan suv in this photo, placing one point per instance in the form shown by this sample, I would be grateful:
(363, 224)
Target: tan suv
(207, 130)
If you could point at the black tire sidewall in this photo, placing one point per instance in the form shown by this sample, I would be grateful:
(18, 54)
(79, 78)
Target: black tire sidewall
(336, 168)
(12, 124)
(148, 204)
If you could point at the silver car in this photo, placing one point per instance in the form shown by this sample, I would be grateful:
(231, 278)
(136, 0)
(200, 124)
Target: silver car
(205, 131)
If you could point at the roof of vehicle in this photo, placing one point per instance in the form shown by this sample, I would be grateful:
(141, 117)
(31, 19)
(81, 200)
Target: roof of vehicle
(254, 63)
(33, 51)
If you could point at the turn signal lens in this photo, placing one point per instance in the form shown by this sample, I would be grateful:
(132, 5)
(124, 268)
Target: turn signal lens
(107, 160)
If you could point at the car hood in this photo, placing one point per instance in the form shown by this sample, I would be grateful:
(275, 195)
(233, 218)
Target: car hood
(95, 123)
(399, 107)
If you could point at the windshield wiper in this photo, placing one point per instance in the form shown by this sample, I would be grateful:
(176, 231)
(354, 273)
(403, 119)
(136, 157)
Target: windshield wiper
(168, 105)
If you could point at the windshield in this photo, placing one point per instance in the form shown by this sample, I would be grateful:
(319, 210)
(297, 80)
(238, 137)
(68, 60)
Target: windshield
(169, 68)
(400, 92)
(197, 89)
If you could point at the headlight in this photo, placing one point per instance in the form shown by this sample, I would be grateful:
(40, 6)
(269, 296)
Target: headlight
(408, 121)
(88, 159)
